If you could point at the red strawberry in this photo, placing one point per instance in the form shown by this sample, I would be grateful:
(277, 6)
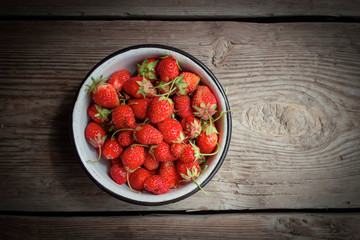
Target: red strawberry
(150, 162)
(162, 152)
(191, 127)
(156, 184)
(140, 107)
(123, 117)
(104, 94)
(146, 134)
(118, 173)
(137, 178)
(126, 138)
(99, 114)
(147, 69)
(204, 102)
(188, 83)
(160, 109)
(172, 130)
(208, 139)
(118, 79)
(95, 135)
(111, 149)
(188, 170)
(182, 105)
(167, 69)
(139, 87)
(133, 157)
(177, 149)
(168, 171)
(190, 153)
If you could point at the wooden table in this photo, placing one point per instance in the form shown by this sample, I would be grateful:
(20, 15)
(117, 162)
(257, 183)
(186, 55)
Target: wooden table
(292, 69)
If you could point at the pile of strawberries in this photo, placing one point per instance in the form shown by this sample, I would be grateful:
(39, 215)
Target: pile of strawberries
(156, 127)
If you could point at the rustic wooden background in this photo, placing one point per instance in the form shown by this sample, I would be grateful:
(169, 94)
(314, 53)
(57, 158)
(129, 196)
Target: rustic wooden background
(292, 69)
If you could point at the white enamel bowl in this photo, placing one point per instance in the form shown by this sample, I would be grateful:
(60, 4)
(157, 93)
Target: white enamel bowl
(127, 59)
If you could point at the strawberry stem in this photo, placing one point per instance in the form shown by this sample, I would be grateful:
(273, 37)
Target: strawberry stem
(211, 154)
(138, 144)
(207, 194)
(171, 87)
(222, 114)
(161, 85)
(128, 182)
(98, 157)
(119, 130)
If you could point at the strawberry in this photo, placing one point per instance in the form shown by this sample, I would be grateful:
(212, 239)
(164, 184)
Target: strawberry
(137, 178)
(162, 152)
(204, 102)
(139, 87)
(172, 130)
(188, 170)
(99, 114)
(103, 94)
(160, 109)
(168, 171)
(188, 83)
(191, 127)
(156, 184)
(147, 134)
(140, 107)
(208, 139)
(133, 157)
(167, 69)
(182, 106)
(95, 135)
(123, 117)
(147, 69)
(111, 149)
(177, 149)
(118, 79)
(118, 173)
(150, 162)
(190, 153)
(126, 138)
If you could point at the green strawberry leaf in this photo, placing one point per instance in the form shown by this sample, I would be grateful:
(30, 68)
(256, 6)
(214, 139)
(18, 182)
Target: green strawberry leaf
(184, 176)
(182, 86)
(152, 65)
(151, 75)
(188, 172)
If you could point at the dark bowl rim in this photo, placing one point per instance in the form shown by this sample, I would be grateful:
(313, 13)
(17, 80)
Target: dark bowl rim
(229, 124)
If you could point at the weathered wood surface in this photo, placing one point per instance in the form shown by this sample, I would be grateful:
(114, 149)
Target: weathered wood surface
(219, 226)
(179, 9)
(295, 142)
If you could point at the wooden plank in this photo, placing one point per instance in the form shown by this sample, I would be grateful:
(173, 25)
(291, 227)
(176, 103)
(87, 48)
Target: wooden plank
(182, 9)
(219, 226)
(295, 142)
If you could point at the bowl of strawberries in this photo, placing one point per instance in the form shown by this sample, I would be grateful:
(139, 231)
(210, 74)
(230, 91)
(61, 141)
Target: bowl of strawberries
(151, 124)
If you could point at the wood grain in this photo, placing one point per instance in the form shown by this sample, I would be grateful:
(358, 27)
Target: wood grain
(219, 226)
(295, 141)
(179, 9)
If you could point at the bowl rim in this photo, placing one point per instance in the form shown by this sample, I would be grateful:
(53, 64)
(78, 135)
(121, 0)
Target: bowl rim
(227, 140)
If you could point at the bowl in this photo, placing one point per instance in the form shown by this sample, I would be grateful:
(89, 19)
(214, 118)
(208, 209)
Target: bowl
(127, 59)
